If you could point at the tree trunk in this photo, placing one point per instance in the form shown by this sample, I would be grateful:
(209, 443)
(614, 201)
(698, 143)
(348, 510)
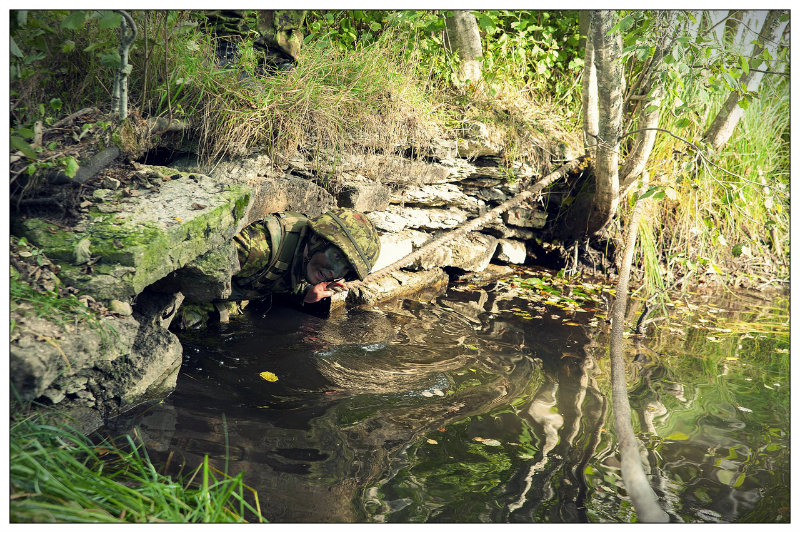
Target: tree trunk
(610, 88)
(693, 26)
(637, 486)
(119, 93)
(716, 25)
(749, 27)
(465, 39)
(728, 117)
(591, 122)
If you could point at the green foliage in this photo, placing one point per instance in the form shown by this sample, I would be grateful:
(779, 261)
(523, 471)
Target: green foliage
(712, 208)
(51, 50)
(60, 475)
(538, 49)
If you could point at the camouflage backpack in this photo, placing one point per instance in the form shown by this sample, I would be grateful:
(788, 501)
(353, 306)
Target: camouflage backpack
(286, 231)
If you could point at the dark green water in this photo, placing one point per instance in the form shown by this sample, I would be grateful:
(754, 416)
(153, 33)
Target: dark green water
(486, 404)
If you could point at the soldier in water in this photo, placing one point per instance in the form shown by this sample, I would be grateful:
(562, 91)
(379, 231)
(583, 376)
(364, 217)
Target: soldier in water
(288, 253)
(302, 261)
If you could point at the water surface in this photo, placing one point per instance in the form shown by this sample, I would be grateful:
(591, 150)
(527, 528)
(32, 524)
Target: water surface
(486, 404)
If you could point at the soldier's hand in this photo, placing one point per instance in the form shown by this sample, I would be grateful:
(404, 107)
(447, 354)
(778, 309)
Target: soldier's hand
(322, 290)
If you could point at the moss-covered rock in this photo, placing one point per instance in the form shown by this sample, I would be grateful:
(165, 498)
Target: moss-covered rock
(147, 238)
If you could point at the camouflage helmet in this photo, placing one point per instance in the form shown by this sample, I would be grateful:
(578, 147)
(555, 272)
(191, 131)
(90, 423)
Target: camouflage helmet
(354, 234)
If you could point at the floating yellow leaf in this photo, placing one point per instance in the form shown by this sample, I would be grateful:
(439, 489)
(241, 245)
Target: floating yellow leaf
(678, 436)
(487, 442)
(431, 441)
(269, 376)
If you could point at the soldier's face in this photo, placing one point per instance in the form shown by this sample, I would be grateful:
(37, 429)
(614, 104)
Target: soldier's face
(327, 265)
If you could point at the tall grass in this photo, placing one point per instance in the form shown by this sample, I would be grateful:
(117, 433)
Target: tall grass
(57, 474)
(729, 216)
(365, 99)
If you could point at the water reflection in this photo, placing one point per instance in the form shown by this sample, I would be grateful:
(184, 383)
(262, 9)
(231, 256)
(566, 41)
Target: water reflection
(456, 410)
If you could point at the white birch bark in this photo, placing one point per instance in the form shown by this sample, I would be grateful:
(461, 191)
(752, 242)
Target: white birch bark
(465, 39)
(610, 88)
(728, 117)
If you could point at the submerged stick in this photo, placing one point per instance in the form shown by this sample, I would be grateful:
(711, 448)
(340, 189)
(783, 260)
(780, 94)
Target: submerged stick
(641, 493)
(471, 225)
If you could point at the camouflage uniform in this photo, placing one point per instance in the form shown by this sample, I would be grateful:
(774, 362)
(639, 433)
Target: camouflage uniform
(280, 39)
(265, 271)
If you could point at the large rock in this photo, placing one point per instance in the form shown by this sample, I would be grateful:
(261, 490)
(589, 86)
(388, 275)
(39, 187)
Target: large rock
(511, 251)
(439, 195)
(99, 366)
(363, 195)
(205, 279)
(286, 193)
(471, 252)
(395, 246)
(141, 239)
(397, 218)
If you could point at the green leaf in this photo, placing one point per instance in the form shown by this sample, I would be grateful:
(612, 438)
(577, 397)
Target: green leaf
(626, 23)
(74, 20)
(68, 46)
(111, 59)
(682, 122)
(18, 143)
(14, 49)
(651, 191)
(56, 104)
(26, 133)
(744, 64)
(109, 19)
(71, 167)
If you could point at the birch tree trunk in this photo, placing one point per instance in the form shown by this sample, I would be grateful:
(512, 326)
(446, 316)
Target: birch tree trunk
(728, 117)
(465, 39)
(748, 30)
(610, 88)
(591, 122)
(119, 92)
(716, 26)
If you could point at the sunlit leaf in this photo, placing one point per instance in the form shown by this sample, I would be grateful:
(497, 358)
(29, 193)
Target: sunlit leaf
(71, 167)
(268, 376)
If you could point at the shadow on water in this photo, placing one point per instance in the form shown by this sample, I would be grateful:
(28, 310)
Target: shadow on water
(477, 406)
